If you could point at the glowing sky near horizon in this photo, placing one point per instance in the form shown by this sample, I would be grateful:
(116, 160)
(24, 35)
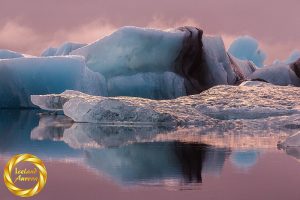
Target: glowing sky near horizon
(29, 26)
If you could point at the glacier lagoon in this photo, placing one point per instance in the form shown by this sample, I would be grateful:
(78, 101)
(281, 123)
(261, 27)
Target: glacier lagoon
(115, 116)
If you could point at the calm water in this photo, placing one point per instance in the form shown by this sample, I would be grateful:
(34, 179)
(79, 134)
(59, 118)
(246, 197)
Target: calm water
(96, 162)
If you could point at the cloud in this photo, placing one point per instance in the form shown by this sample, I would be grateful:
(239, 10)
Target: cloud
(162, 23)
(20, 38)
(17, 37)
(86, 33)
(247, 48)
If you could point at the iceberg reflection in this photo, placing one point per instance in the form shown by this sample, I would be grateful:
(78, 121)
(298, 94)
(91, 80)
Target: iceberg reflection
(131, 154)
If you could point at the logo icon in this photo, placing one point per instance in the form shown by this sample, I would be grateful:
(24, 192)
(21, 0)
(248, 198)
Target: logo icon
(25, 175)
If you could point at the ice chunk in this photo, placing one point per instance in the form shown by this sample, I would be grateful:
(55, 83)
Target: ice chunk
(249, 102)
(7, 54)
(65, 49)
(20, 78)
(242, 68)
(278, 74)
(217, 65)
(215, 103)
(247, 48)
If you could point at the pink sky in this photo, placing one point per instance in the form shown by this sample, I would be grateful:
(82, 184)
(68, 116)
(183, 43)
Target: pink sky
(30, 26)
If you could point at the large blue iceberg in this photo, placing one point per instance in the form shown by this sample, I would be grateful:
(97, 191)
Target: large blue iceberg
(22, 77)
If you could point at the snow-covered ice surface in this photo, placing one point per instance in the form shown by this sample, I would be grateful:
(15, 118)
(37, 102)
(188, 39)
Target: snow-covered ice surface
(22, 77)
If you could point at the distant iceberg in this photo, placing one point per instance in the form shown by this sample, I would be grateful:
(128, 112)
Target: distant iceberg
(247, 48)
(7, 54)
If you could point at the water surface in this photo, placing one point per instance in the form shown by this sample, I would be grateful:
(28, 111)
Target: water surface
(131, 162)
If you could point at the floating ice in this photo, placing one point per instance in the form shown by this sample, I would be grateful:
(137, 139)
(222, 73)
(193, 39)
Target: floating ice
(200, 60)
(215, 103)
(247, 48)
(20, 78)
(279, 74)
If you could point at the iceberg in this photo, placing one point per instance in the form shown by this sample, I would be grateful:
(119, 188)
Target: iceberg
(22, 77)
(63, 50)
(247, 48)
(201, 61)
(7, 54)
(135, 62)
(279, 74)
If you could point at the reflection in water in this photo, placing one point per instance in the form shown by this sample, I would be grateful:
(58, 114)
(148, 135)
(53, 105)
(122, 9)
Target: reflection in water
(15, 129)
(127, 154)
(152, 163)
(244, 159)
(294, 151)
(193, 158)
